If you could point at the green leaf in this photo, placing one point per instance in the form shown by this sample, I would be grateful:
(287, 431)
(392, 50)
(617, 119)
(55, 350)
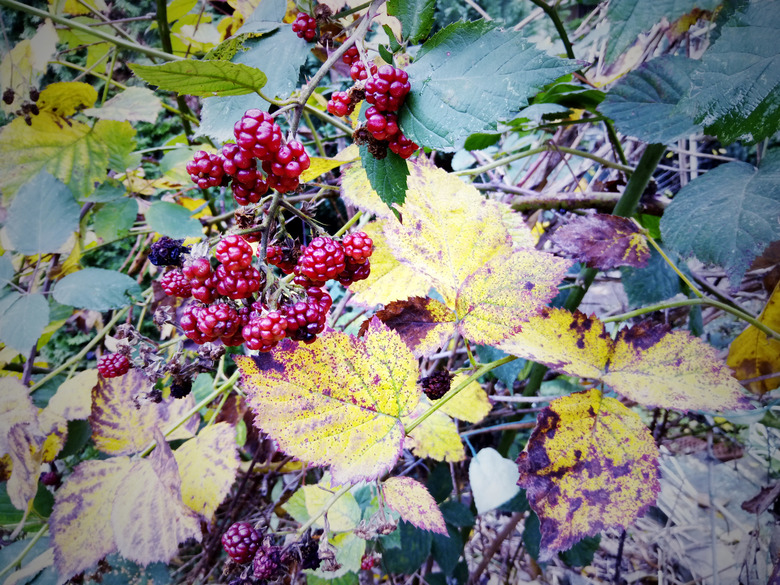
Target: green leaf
(220, 114)
(387, 176)
(468, 76)
(446, 550)
(42, 216)
(6, 269)
(23, 318)
(727, 216)
(508, 373)
(108, 191)
(269, 11)
(135, 104)
(646, 102)
(202, 78)
(97, 289)
(532, 535)
(654, 283)
(114, 219)
(414, 549)
(581, 554)
(628, 18)
(440, 482)
(174, 221)
(736, 89)
(480, 141)
(457, 514)
(416, 17)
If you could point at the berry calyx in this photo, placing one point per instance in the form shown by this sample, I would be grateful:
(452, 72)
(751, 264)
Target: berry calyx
(257, 133)
(321, 260)
(112, 365)
(205, 169)
(305, 27)
(241, 541)
(175, 284)
(234, 252)
(358, 247)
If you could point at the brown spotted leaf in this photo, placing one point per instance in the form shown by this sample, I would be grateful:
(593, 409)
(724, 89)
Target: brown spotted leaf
(423, 323)
(122, 424)
(590, 464)
(603, 241)
(414, 503)
(338, 401)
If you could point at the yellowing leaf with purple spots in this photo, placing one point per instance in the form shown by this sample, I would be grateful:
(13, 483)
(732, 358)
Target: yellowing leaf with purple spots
(423, 323)
(16, 407)
(414, 503)
(80, 522)
(436, 437)
(603, 241)
(571, 343)
(656, 367)
(590, 464)
(148, 518)
(123, 423)
(389, 279)
(497, 299)
(449, 230)
(336, 402)
(343, 514)
(208, 465)
(470, 404)
(25, 446)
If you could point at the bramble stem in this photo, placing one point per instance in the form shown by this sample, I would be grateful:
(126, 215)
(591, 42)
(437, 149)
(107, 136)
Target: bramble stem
(668, 260)
(20, 557)
(333, 499)
(553, 14)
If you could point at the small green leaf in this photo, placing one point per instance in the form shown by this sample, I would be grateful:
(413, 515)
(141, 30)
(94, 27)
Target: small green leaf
(467, 77)
(581, 554)
(457, 514)
(202, 78)
(446, 550)
(387, 176)
(108, 191)
(6, 269)
(97, 289)
(416, 17)
(646, 102)
(481, 141)
(23, 318)
(727, 216)
(654, 283)
(414, 549)
(174, 221)
(385, 54)
(114, 219)
(42, 216)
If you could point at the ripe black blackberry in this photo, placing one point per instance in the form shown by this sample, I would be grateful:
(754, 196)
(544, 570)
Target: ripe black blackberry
(241, 541)
(167, 252)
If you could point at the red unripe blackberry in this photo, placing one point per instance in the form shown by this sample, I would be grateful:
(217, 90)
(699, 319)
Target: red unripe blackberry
(305, 281)
(280, 184)
(340, 104)
(218, 320)
(246, 193)
(237, 284)
(236, 160)
(257, 133)
(367, 562)
(198, 269)
(264, 332)
(358, 247)
(51, 479)
(205, 292)
(354, 272)
(112, 365)
(382, 125)
(402, 146)
(241, 542)
(290, 160)
(322, 259)
(358, 71)
(234, 252)
(238, 338)
(205, 169)
(387, 90)
(266, 563)
(175, 284)
(321, 297)
(304, 320)
(351, 55)
(284, 258)
(189, 324)
(305, 26)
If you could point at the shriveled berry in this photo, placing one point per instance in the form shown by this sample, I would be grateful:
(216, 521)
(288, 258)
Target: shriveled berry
(237, 284)
(305, 27)
(241, 542)
(257, 133)
(167, 252)
(9, 96)
(181, 387)
(340, 104)
(322, 259)
(437, 384)
(205, 169)
(402, 146)
(51, 479)
(266, 563)
(358, 247)
(264, 332)
(234, 252)
(175, 284)
(112, 365)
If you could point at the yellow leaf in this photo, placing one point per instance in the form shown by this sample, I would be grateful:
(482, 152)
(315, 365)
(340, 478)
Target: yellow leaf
(64, 98)
(414, 503)
(72, 401)
(389, 279)
(470, 403)
(25, 63)
(753, 354)
(16, 407)
(25, 444)
(208, 465)
(80, 522)
(648, 364)
(55, 441)
(590, 464)
(358, 192)
(343, 515)
(320, 166)
(514, 222)
(337, 401)
(123, 423)
(436, 437)
(75, 8)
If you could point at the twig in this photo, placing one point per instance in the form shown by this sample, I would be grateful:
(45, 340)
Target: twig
(495, 546)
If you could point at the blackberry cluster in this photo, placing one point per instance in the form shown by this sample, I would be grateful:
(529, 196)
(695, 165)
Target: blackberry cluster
(244, 544)
(258, 139)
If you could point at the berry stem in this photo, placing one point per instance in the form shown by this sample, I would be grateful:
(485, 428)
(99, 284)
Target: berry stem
(352, 221)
